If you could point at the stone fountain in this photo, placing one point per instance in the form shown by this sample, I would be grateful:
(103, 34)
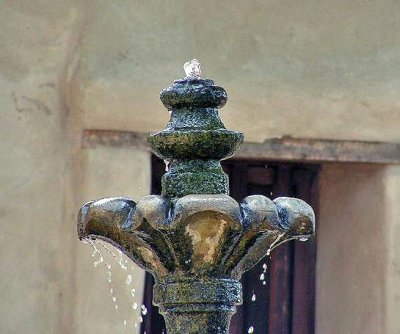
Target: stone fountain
(194, 239)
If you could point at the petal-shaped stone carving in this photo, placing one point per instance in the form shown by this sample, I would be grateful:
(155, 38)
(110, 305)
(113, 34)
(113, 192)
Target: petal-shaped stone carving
(103, 219)
(152, 210)
(104, 216)
(261, 222)
(296, 217)
(268, 224)
(204, 227)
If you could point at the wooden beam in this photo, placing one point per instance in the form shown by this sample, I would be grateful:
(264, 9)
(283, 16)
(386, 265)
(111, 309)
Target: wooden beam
(282, 149)
(321, 150)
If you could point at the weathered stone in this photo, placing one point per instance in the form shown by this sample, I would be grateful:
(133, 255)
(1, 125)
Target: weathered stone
(195, 139)
(195, 239)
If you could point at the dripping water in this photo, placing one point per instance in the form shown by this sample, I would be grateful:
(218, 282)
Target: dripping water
(101, 252)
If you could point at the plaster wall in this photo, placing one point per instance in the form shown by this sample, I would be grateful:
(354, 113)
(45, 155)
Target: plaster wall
(109, 172)
(317, 69)
(358, 274)
(392, 218)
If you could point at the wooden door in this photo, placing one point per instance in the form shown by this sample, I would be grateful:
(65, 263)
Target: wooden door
(285, 300)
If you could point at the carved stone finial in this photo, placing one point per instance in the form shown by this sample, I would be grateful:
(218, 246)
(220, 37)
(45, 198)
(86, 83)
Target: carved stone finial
(195, 139)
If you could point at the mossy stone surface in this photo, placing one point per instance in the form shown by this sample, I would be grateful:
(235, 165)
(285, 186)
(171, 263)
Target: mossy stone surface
(194, 136)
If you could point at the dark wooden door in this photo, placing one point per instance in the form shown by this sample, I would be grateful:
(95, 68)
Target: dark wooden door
(279, 292)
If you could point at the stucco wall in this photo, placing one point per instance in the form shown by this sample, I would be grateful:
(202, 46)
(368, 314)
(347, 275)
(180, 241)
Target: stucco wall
(352, 252)
(320, 69)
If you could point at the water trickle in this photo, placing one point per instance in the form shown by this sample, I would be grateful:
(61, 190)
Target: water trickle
(166, 162)
(275, 243)
(250, 330)
(253, 297)
(263, 274)
(123, 263)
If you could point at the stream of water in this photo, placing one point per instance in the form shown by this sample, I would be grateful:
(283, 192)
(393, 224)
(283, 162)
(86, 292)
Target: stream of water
(112, 259)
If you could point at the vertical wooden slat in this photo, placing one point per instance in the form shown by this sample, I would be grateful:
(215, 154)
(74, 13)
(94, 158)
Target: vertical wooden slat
(153, 322)
(256, 313)
(305, 184)
(281, 271)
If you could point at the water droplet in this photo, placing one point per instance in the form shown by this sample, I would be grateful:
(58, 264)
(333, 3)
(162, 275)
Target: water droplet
(166, 162)
(303, 239)
(111, 291)
(114, 299)
(140, 319)
(265, 267)
(264, 283)
(134, 306)
(133, 291)
(135, 324)
(262, 277)
(125, 322)
(116, 306)
(128, 279)
(250, 330)
(144, 310)
(253, 297)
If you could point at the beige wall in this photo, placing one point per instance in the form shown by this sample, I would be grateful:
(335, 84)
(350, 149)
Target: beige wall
(109, 172)
(392, 250)
(319, 69)
(352, 252)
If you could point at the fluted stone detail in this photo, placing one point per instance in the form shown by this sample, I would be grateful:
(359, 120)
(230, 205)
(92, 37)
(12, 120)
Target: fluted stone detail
(198, 235)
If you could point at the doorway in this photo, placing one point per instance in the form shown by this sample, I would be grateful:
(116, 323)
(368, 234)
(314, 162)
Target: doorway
(279, 292)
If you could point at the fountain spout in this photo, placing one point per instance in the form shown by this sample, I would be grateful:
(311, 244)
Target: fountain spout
(195, 239)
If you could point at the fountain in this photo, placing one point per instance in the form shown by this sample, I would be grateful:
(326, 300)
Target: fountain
(194, 239)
